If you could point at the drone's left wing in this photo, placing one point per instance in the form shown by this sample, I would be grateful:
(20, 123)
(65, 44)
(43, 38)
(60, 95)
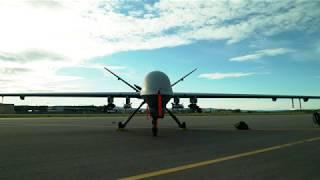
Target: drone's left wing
(75, 94)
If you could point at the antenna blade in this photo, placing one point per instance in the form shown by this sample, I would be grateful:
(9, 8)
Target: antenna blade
(138, 87)
(181, 79)
(119, 78)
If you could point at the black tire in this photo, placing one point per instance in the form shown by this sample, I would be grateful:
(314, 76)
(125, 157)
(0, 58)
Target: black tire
(120, 125)
(155, 132)
(183, 125)
(242, 126)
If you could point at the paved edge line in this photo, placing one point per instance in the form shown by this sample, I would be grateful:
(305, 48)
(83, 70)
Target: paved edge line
(214, 161)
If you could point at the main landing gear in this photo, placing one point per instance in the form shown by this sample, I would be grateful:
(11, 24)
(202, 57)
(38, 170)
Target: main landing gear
(180, 125)
(122, 125)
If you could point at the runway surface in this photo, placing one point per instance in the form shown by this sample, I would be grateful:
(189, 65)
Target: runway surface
(276, 147)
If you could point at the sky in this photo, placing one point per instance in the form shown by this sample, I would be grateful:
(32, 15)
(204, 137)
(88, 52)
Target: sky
(238, 46)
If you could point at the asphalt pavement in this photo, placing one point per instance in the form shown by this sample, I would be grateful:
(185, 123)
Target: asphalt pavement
(275, 147)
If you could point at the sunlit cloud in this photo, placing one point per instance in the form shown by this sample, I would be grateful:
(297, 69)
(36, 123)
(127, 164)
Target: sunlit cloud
(99, 66)
(217, 76)
(47, 36)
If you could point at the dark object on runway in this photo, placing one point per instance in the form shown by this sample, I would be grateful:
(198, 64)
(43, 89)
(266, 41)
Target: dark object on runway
(316, 118)
(242, 125)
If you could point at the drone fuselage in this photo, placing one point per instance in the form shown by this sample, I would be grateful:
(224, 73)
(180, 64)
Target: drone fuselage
(157, 92)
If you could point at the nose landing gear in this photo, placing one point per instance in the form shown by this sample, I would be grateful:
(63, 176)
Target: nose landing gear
(155, 127)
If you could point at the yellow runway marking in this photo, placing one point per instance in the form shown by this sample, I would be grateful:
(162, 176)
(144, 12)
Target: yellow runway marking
(214, 161)
(266, 129)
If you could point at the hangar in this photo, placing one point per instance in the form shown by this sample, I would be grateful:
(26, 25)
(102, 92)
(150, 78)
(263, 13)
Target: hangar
(7, 108)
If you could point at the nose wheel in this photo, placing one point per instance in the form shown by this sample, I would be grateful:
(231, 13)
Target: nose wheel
(155, 132)
(183, 125)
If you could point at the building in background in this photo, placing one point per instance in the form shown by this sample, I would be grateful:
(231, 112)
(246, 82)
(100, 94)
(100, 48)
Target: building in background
(7, 109)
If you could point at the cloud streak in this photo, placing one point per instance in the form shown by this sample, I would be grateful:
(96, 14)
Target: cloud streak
(217, 76)
(261, 54)
(29, 55)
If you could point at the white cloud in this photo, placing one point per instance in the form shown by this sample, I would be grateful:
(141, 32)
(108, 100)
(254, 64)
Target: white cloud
(61, 33)
(217, 76)
(262, 53)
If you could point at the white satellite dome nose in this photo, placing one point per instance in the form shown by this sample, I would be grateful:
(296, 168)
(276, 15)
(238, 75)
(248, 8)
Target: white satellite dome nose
(156, 81)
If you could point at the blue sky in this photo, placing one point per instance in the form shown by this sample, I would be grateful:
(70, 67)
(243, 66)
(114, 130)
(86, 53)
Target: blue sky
(238, 46)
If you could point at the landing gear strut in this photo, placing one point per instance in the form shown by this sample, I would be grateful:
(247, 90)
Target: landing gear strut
(122, 125)
(316, 118)
(180, 125)
(155, 127)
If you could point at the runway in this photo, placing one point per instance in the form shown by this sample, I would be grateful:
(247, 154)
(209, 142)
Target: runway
(277, 147)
